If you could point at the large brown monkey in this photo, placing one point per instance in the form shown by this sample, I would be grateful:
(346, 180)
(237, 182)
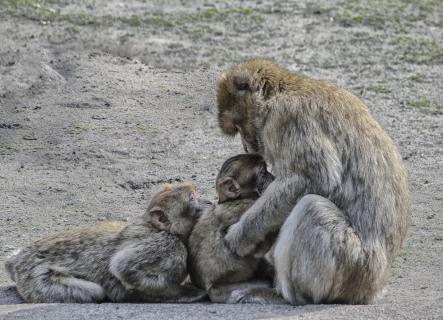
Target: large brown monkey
(337, 173)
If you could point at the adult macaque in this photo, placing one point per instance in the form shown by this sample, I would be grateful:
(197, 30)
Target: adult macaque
(338, 176)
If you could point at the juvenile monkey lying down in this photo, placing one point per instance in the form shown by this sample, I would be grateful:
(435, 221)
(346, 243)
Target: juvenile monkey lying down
(144, 261)
(212, 265)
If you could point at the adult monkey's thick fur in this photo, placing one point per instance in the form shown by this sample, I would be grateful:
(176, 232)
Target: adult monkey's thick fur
(338, 176)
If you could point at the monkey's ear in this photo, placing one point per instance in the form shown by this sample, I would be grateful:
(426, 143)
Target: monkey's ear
(242, 83)
(159, 218)
(229, 187)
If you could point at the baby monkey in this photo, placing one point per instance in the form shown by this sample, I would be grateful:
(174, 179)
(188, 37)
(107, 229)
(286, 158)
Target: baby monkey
(143, 261)
(212, 266)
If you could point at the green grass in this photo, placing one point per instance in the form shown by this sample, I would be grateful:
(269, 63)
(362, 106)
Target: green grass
(419, 50)
(45, 11)
(379, 88)
(33, 9)
(420, 103)
(426, 106)
(378, 13)
(197, 24)
(418, 77)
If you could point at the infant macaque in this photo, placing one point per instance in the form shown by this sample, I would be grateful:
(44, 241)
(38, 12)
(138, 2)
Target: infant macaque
(143, 261)
(212, 266)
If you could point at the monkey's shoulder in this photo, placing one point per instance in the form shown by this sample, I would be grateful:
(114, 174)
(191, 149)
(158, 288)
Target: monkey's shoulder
(151, 239)
(228, 213)
(211, 226)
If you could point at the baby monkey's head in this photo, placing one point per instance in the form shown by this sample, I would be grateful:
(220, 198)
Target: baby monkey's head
(242, 176)
(175, 208)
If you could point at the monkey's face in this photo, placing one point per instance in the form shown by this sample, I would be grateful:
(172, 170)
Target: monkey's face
(236, 107)
(176, 209)
(242, 176)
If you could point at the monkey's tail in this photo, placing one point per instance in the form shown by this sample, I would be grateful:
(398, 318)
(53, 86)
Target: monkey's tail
(10, 264)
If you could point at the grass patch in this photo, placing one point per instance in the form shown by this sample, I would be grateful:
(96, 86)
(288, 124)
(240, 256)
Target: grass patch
(44, 11)
(33, 9)
(214, 14)
(420, 103)
(424, 105)
(407, 252)
(381, 89)
(140, 126)
(378, 13)
(419, 50)
(418, 77)
(77, 129)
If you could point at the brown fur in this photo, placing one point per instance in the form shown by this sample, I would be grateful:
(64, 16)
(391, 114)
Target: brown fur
(339, 178)
(212, 266)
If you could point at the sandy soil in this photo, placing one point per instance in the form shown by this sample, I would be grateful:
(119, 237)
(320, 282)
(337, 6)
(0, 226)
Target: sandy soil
(101, 101)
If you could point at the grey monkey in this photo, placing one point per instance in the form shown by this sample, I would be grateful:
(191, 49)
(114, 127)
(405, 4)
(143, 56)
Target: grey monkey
(143, 261)
(338, 177)
(212, 266)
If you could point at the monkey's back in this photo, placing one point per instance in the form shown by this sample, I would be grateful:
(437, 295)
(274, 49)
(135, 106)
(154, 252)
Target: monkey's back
(84, 249)
(210, 261)
(362, 171)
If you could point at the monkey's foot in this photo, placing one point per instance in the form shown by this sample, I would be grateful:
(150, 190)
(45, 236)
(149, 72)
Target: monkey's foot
(191, 294)
(256, 295)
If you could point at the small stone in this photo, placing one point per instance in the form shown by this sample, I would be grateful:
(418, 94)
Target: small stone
(30, 136)
(98, 117)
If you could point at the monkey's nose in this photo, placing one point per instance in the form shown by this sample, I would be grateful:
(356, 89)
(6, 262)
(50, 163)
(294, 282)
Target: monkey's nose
(202, 206)
(203, 203)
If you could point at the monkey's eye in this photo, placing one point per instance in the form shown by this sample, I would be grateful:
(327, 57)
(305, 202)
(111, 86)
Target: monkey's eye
(163, 219)
(192, 197)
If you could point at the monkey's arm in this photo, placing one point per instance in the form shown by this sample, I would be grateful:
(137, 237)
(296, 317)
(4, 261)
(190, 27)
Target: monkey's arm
(305, 160)
(266, 215)
(257, 295)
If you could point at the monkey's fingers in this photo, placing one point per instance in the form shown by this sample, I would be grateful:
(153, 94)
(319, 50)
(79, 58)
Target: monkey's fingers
(238, 245)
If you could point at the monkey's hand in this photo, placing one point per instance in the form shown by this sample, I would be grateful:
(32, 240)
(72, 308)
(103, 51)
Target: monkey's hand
(265, 216)
(236, 240)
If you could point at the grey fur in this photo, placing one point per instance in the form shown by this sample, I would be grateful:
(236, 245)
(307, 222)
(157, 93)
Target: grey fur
(338, 245)
(116, 261)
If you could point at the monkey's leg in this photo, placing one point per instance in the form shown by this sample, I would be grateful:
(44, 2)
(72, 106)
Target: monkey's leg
(319, 257)
(148, 281)
(185, 294)
(256, 295)
(169, 293)
(55, 285)
(221, 293)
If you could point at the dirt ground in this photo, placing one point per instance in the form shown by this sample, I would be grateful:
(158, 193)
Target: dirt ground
(103, 100)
